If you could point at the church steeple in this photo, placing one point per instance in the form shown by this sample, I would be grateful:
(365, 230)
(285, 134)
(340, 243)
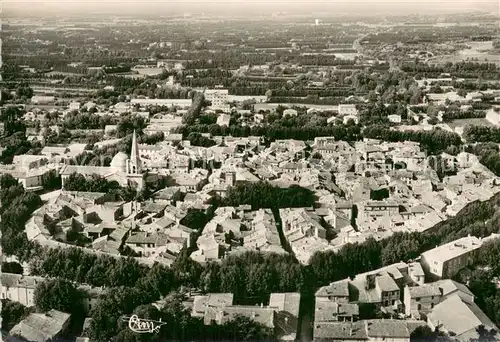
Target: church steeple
(135, 161)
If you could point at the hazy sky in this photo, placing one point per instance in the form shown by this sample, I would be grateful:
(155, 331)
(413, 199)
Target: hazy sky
(240, 7)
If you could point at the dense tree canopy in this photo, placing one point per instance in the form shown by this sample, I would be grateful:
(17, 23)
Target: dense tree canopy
(195, 219)
(76, 265)
(197, 139)
(482, 280)
(96, 183)
(17, 207)
(433, 141)
(128, 124)
(195, 109)
(13, 313)
(480, 134)
(51, 180)
(12, 267)
(85, 120)
(14, 144)
(488, 154)
(264, 195)
(59, 294)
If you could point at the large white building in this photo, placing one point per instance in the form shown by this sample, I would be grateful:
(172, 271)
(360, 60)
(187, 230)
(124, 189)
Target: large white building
(74, 106)
(219, 99)
(447, 260)
(347, 109)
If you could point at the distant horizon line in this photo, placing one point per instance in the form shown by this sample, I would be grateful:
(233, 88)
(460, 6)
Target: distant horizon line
(209, 13)
(250, 8)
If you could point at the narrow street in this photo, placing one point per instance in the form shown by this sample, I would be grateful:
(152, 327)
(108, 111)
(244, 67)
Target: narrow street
(279, 226)
(305, 324)
(305, 328)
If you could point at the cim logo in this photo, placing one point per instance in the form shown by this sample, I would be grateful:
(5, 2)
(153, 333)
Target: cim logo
(143, 326)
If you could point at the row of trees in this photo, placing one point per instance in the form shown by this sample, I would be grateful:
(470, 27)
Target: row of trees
(377, 113)
(62, 295)
(264, 195)
(152, 88)
(433, 141)
(234, 59)
(84, 120)
(450, 115)
(482, 134)
(459, 69)
(310, 99)
(251, 276)
(303, 92)
(393, 87)
(276, 131)
(12, 267)
(76, 265)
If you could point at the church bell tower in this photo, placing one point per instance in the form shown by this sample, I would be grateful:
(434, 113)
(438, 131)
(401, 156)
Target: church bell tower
(134, 165)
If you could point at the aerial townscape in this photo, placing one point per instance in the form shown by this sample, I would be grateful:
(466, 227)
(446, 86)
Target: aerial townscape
(273, 175)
